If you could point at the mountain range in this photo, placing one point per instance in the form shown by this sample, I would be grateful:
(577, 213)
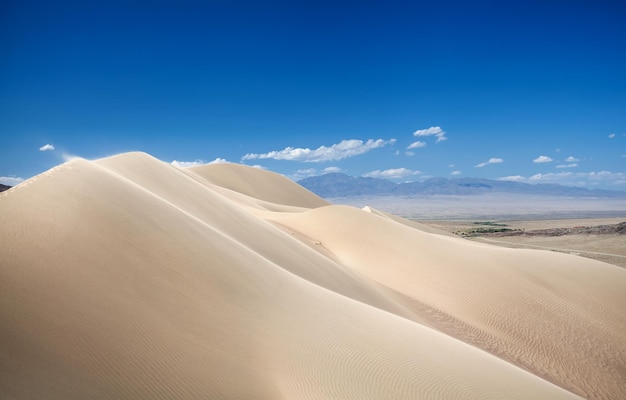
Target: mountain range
(334, 185)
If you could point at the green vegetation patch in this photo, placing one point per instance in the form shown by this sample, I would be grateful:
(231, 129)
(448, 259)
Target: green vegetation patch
(489, 223)
(486, 228)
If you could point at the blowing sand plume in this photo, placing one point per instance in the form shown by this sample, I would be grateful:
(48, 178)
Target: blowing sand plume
(129, 278)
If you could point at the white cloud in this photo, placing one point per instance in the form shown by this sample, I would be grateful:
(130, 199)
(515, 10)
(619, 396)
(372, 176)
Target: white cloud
(46, 147)
(450, 165)
(601, 179)
(10, 180)
(432, 131)
(308, 171)
(572, 165)
(329, 170)
(393, 173)
(416, 145)
(611, 136)
(490, 161)
(455, 173)
(187, 164)
(409, 153)
(513, 178)
(338, 151)
(542, 159)
(195, 163)
(571, 159)
(302, 173)
(550, 177)
(219, 160)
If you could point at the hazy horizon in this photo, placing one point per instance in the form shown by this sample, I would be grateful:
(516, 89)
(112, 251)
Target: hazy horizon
(489, 206)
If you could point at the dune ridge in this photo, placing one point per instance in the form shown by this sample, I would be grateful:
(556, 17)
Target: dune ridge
(127, 277)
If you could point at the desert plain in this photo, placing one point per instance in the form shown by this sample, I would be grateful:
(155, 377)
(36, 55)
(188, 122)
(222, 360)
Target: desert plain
(129, 278)
(594, 238)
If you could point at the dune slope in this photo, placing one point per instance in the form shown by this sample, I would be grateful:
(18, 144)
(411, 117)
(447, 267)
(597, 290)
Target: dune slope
(129, 278)
(257, 183)
(553, 314)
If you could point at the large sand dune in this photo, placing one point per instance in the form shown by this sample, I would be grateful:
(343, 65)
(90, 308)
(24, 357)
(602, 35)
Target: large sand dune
(129, 278)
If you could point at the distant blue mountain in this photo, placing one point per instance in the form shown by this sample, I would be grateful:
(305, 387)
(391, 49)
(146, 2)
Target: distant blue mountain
(342, 185)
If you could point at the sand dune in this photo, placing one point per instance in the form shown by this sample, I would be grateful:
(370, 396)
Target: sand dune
(555, 315)
(128, 278)
(259, 184)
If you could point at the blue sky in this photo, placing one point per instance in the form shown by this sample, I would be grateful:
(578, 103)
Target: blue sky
(533, 91)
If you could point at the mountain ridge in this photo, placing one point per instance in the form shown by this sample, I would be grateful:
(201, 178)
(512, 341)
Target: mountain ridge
(334, 185)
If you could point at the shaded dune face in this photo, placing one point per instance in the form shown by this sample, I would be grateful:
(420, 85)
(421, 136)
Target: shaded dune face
(259, 184)
(553, 314)
(126, 277)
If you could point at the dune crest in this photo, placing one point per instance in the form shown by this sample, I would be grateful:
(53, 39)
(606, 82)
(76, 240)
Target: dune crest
(127, 277)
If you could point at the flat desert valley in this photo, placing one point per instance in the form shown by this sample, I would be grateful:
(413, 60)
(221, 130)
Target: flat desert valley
(129, 278)
(602, 239)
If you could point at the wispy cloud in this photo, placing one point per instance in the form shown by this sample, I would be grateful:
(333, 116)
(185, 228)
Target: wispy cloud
(600, 179)
(513, 178)
(302, 173)
(338, 151)
(187, 164)
(490, 161)
(542, 159)
(195, 163)
(572, 165)
(416, 145)
(611, 136)
(393, 173)
(69, 157)
(571, 159)
(10, 180)
(455, 173)
(46, 147)
(432, 131)
(329, 170)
